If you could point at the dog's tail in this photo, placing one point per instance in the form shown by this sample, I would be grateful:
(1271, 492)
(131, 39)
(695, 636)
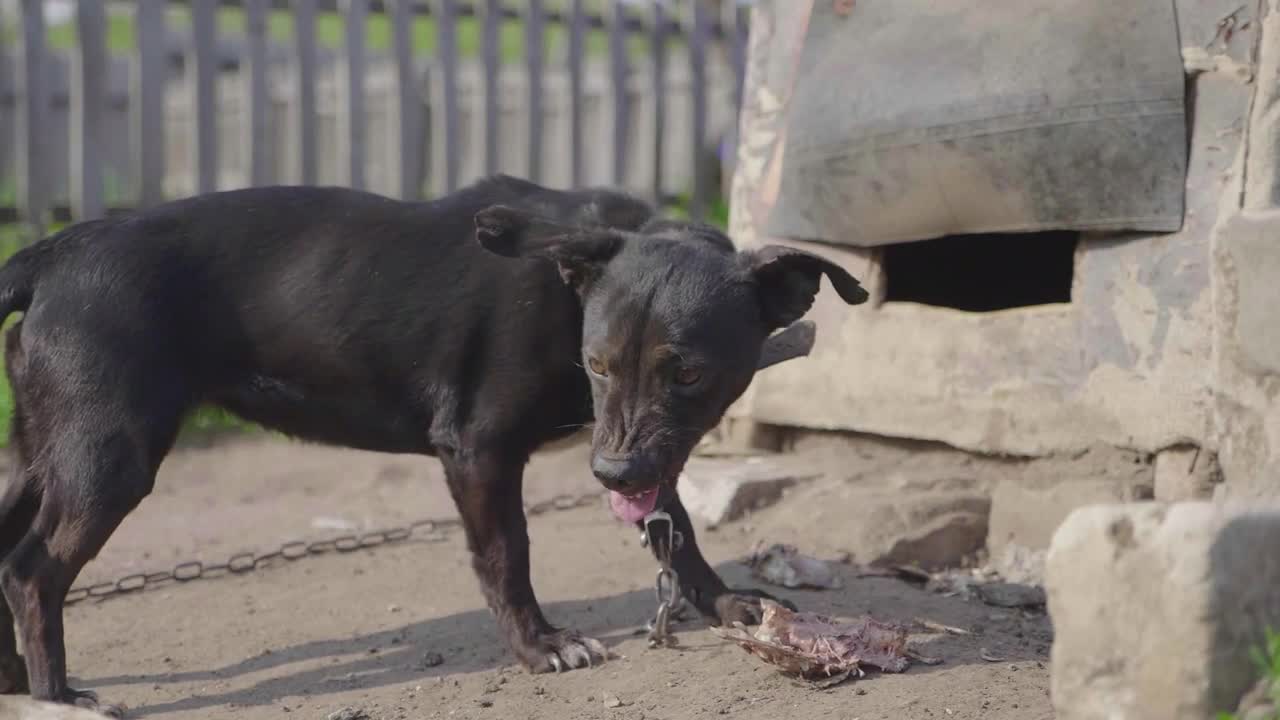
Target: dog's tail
(18, 276)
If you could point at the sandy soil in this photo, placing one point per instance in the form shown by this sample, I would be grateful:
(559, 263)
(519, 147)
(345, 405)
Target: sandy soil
(401, 631)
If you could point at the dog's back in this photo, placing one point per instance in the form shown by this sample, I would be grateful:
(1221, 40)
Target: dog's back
(327, 313)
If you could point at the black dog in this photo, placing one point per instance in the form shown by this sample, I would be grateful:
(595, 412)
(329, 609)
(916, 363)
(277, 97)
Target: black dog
(346, 318)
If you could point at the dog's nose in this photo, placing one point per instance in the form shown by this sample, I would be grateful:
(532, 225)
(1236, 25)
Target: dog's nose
(618, 473)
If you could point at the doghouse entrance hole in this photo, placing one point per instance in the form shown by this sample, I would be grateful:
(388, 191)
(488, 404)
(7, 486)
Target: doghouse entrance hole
(982, 273)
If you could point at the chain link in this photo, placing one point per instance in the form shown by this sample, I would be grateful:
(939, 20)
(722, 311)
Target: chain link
(427, 530)
(667, 583)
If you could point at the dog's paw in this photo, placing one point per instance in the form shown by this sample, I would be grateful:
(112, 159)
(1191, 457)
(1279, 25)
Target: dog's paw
(88, 700)
(564, 650)
(745, 606)
(13, 675)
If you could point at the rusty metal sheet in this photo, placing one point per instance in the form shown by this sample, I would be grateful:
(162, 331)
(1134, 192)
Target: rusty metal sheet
(914, 119)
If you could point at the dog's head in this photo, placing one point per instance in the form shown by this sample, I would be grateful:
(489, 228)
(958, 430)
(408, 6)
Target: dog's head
(674, 321)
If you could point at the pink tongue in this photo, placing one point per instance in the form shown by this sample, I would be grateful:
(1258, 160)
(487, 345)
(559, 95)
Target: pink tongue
(632, 509)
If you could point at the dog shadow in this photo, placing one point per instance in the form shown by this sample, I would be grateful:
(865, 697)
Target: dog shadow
(437, 647)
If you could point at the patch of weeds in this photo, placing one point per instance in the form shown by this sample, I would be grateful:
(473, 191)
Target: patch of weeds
(717, 212)
(1267, 661)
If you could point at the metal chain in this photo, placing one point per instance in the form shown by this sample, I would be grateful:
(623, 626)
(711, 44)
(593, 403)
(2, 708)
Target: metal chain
(429, 531)
(667, 583)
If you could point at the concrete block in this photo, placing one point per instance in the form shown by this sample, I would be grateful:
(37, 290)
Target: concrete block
(1185, 472)
(1254, 257)
(943, 541)
(717, 490)
(934, 527)
(1027, 516)
(24, 708)
(1155, 608)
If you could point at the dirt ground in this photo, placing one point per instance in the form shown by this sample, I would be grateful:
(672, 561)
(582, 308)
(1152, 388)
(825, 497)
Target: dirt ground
(401, 631)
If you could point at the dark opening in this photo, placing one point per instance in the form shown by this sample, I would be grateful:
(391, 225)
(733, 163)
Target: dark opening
(982, 273)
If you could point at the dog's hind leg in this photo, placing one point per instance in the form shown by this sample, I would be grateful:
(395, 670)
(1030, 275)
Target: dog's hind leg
(487, 489)
(17, 511)
(18, 506)
(97, 444)
(93, 480)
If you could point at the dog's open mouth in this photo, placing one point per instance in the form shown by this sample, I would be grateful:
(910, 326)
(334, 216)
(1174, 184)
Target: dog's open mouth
(633, 508)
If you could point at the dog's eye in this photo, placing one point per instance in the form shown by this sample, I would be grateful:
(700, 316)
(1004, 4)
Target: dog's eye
(688, 376)
(597, 367)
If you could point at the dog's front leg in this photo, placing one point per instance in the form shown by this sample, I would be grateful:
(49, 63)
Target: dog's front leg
(702, 586)
(487, 490)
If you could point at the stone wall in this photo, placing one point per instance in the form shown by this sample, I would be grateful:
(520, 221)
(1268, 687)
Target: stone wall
(1170, 346)
(1246, 279)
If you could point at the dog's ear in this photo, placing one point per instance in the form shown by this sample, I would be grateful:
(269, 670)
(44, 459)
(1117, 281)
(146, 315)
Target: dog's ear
(787, 281)
(580, 253)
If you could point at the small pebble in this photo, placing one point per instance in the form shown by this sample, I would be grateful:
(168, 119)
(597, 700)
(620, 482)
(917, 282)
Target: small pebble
(612, 701)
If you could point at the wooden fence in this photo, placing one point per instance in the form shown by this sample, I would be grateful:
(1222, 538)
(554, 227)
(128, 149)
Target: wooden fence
(635, 94)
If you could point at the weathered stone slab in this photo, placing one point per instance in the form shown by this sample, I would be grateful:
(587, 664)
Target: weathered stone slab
(717, 490)
(1185, 472)
(1028, 516)
(1156, 607)
(934, 527)
(24, 708)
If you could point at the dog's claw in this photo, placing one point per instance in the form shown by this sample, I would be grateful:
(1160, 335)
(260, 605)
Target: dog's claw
(745, 606)
(567, 650)
(88, 700)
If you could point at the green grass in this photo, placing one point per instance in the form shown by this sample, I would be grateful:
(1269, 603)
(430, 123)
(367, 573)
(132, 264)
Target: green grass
(330, 32)
(717, 210)
(1267, 661)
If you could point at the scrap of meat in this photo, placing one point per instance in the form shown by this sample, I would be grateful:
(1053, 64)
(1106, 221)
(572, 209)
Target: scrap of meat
(813, 646)
(784, 565)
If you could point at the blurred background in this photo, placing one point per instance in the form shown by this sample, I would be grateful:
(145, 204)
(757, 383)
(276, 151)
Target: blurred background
(116, 105)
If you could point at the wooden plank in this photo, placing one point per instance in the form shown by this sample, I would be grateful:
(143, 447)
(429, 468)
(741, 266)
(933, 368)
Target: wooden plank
(618, 86)
(738, 26)
(8, 91)
(447, 46)
(658, 58)
(577, 50)
(33, 101)
(351, 112)
(304, 47)
(202, 64)
(534, 42)
(698, 38)
(88, 105)
(254, 74)
(406, 149)
(491, 65)
(147, 103)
